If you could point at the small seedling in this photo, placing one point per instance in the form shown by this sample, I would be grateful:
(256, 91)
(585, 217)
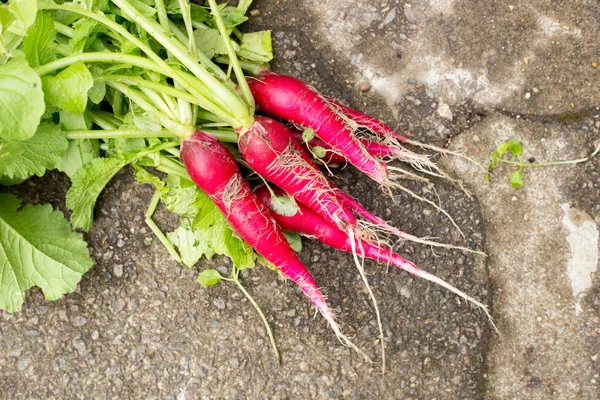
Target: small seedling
(514, 147)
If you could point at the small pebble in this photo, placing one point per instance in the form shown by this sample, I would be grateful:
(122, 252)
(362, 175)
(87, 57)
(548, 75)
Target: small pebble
(95, 335)
(527, 95)
(219, 303)
(118, 270)
(254, 13)
(365, 87)
(476, 139)
(119, 306)
(536, 90)
(595, 64)
(79, 321)
(526, 61)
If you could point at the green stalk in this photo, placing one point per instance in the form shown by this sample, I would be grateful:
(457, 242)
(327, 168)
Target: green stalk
(235, 106)
(118, 134)
(252, 68)
(102, 57)
(144, 83)
(177, 128)
(552, 163)
(64, 29)
(158, 101)
(156, 230)
(237, 69)
(103, 119)
(237, 119)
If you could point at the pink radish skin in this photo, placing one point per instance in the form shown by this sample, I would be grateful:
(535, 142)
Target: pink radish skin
(291, 99)
(270, 149)
(367, 121)
(213, 168)
(374, 148)
(308, 223)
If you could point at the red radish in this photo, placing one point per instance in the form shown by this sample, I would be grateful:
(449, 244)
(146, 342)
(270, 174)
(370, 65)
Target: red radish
(367, 121)
(331, 156)
(291, 99)
(378, 127)
(270, 149)
(308, 223)
(213, 168)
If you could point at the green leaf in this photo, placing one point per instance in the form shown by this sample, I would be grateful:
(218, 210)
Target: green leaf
(256, 46)
(88, 182)
(34, 156)
(6, 181)
(192, 243)
(232, 17)
(284, 205)
(209, 277)
(223, 239)
(319, 151)
(180, 196)
(81, 151)
(308, 134)
(39, 45)
(516, 179)
(23, 12)
(502, 147)
(37, 248)
(515, 148)
(143, 176)
(21, 100)
(209, 41)
(69, 89)
(294, 240)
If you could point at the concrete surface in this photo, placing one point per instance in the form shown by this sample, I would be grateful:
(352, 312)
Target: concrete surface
(474, 72)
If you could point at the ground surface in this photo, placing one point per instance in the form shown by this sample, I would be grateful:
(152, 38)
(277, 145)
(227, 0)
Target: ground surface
(478, 72)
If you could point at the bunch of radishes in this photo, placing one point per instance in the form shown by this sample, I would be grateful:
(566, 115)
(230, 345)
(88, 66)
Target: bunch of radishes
(160, 94)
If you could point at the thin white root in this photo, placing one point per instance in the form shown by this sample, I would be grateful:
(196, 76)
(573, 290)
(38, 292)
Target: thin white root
(387, 228)
(344, 339)
(445, 152)
(416, 196)
(361, 270)
(432, 278)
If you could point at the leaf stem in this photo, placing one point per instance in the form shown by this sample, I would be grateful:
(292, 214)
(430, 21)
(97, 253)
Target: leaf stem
(118, 134)
(156, 230)
(239, 74)
(552, 163)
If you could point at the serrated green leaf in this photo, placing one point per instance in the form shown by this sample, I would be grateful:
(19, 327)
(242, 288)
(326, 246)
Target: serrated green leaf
(209, 277)
(21, 100)
(514, 147)
(37, 248)
(143, 176)
(68, 90)
(516, 179)
(294, 240)
(87, 183)
(192, 243)
(209, 41)
(39, 45)
(181, 196)
(6, 181)
(256, 46)
(34, 156)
